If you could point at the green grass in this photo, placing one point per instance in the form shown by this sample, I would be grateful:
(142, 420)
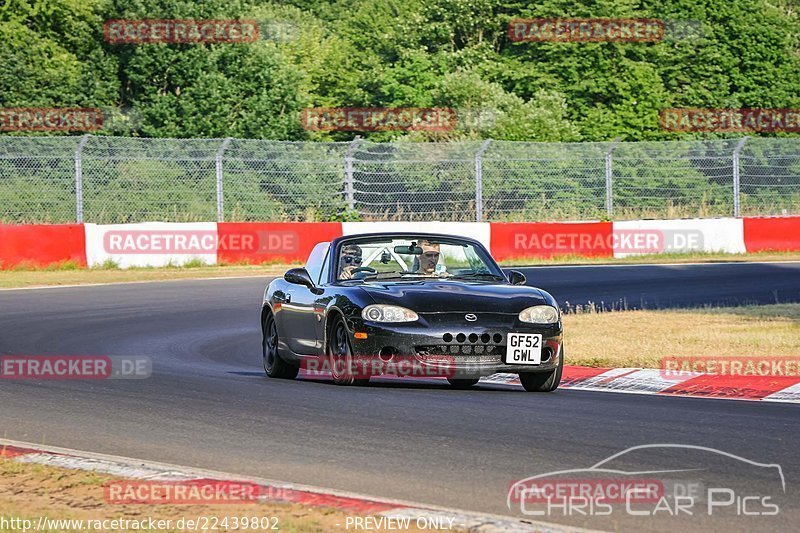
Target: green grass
(598, 338)
(30, 491)
(111, 274)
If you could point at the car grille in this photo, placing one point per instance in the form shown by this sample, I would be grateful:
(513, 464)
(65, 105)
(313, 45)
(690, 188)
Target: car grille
(465, 348)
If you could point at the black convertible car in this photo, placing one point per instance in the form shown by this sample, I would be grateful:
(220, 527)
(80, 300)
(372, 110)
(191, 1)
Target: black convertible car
(410, 304)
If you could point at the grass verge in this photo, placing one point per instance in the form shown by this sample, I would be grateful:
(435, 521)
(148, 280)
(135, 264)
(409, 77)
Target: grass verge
(696, 257)
(110, 274)
(643, 338)
(30, 491)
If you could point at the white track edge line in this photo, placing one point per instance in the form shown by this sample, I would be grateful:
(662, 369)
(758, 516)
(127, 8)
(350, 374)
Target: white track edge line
(675, 395)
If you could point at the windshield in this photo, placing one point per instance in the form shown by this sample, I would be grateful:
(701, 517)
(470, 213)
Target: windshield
(413, 258)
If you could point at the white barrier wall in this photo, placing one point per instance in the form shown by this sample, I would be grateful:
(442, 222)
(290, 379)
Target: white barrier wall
(479, 231)
(151, 243)
(685, 235)
(165, 243)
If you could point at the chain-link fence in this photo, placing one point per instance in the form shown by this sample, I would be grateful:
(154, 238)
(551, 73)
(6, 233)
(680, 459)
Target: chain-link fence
(119, 179)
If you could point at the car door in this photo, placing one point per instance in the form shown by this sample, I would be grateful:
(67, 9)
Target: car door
(298, 316)
(299, 309)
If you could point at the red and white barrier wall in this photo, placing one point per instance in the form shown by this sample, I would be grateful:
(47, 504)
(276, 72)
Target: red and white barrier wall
(272, 242)
(41, 245)
(518, 240)
(763, 234)
(167, 243)
(151, 244)
(635, 237)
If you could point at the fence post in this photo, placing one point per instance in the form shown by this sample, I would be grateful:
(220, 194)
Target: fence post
(737, 177)
(218, 168)
(79, 178)
(349, 188)
(479, 180)
(610, 177)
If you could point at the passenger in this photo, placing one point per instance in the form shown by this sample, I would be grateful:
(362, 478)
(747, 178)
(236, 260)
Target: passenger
(349, 260)
(429, 258)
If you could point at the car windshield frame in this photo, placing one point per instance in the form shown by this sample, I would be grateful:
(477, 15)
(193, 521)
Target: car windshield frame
(493, 269)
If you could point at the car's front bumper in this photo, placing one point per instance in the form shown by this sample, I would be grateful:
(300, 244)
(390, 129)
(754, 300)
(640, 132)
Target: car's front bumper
(447, 344)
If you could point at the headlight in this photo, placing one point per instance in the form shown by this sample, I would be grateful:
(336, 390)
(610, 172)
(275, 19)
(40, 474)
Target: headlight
(539, 314)
(388, 313)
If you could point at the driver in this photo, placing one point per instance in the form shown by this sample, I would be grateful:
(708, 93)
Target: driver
(429, 258)
(349, 260)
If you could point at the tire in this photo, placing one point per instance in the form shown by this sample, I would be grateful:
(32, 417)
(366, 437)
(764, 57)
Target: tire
(274, 365)
(543, 381)
(462, 384)
(340, 355)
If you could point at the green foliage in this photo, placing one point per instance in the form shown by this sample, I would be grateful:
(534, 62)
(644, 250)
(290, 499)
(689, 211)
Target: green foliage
(131, 191)
(51, 55)
(397, 53)
(451, 53)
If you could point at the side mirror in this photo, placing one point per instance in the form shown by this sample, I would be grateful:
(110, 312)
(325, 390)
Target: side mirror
(516, 277)
(299, 276)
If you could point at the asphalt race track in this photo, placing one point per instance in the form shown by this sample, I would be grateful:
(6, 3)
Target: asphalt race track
(209, 405)
(662, 286)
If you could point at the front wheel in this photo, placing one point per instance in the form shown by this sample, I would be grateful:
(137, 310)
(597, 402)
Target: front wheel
(543, 381)
(274, 366)
(340, 356)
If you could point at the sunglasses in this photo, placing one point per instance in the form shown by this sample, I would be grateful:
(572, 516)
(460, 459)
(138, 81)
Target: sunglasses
(354, 259)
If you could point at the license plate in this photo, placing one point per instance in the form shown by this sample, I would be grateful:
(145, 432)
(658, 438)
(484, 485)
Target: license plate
(524, 349)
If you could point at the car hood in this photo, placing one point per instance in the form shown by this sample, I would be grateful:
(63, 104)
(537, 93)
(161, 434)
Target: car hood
(455, 296)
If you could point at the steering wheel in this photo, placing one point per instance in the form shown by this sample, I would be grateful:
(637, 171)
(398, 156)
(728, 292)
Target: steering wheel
(364, 269)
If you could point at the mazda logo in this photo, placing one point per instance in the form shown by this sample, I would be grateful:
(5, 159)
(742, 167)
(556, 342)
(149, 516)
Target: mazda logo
(470, 317)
